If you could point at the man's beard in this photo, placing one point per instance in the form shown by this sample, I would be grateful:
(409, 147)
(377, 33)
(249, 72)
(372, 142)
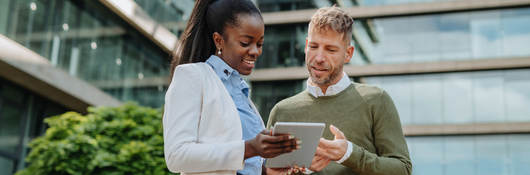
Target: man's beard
(325, 80)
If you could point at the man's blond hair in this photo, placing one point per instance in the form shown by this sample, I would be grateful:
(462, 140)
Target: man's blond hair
(333, 18)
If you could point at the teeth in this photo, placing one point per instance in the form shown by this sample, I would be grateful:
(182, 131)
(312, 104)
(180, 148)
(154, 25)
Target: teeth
(249, 62)
(320, 69)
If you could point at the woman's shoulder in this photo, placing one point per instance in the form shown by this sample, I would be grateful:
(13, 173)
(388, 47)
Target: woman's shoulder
(192, 66)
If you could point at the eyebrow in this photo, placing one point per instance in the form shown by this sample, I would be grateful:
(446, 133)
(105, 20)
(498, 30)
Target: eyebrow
(248, 36)
(251, 37)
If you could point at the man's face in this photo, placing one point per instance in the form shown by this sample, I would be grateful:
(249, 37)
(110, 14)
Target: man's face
(325, 54)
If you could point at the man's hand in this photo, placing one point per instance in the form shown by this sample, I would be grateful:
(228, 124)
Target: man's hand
(333, 149)
(268, 146)
(319, 163)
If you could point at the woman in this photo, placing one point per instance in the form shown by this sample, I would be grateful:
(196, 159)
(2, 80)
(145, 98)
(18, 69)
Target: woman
(210, 125)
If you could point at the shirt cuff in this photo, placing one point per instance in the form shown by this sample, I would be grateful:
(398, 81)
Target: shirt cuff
(347, 154)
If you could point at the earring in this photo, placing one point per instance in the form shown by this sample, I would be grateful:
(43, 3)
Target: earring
(219, 52)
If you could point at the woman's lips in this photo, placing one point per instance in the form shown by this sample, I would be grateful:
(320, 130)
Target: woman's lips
(249, 61)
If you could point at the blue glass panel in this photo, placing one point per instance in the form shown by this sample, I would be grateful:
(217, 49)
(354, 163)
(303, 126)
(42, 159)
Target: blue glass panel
(426, 155)
(457, 99)
(464, 97)
(517, 95)
(492, 155)
(453, 36)
(519, 154)
(488, 97)
(459, 155)
(426, 103)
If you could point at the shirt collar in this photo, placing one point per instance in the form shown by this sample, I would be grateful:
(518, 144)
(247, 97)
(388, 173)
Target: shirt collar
(223, 70)
(226, 73)
(343, 83)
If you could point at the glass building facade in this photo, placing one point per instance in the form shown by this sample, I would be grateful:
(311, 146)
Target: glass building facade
(89, 41)
(477, 154)
(465, 97)
(21, 114)
(501, 33)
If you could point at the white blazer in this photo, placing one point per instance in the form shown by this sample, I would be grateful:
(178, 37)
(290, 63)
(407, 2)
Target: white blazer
(202, 129)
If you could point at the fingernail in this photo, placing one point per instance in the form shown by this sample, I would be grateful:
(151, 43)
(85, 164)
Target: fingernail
(291, 137)
(298, 146)
(298, 142)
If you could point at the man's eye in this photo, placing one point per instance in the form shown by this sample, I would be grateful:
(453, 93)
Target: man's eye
(244, 44)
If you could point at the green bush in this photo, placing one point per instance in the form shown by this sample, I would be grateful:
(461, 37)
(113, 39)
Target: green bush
(118, 140)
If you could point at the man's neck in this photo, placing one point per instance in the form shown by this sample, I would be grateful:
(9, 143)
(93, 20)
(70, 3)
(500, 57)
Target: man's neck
(324, 87)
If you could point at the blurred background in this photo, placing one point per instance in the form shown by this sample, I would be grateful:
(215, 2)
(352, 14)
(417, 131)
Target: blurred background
(457, 70)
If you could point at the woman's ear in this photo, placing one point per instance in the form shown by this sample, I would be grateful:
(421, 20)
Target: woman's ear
(218, 40)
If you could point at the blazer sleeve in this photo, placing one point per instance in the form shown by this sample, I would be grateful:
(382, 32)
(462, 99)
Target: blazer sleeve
(182, 114)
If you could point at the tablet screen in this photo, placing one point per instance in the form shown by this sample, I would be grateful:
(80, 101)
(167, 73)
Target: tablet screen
(308, 133)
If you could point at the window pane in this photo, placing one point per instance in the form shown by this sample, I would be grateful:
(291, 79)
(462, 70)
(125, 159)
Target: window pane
(457, 99)
(459, 155)
(426, 155)
(491, 155)
(519, 153)
(6, 166)
(488, 97)
(517, 95)
(10, 127)
(427, 106)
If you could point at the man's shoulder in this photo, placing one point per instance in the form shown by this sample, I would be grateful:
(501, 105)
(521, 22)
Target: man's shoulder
(368, 92)
(293, 102)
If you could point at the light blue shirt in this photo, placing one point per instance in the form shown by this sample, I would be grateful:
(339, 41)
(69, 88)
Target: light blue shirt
(251, 122)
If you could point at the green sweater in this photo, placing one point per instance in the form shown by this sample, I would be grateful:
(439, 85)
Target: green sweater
(369, 120)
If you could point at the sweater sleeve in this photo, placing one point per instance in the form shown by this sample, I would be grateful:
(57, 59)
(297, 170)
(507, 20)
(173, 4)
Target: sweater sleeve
(273, 116)
(392, 153)
(182, 113)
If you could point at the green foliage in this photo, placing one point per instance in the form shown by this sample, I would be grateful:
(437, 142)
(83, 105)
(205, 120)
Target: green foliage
(120, 140)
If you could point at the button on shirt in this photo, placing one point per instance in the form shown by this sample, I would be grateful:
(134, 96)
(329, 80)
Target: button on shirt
(251, 122)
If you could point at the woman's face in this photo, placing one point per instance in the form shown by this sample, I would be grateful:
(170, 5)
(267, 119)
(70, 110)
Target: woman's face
(242, 44)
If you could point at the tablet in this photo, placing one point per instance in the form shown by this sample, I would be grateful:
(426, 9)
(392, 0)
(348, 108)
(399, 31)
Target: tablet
(308, 133)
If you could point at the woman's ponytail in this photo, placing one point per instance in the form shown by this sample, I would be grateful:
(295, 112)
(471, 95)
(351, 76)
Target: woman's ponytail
(196, 43)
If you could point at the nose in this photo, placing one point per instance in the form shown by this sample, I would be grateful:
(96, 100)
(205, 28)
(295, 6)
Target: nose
(254, 51)
(319, 57)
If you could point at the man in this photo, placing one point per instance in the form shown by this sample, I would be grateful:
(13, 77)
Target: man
(371, 140)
